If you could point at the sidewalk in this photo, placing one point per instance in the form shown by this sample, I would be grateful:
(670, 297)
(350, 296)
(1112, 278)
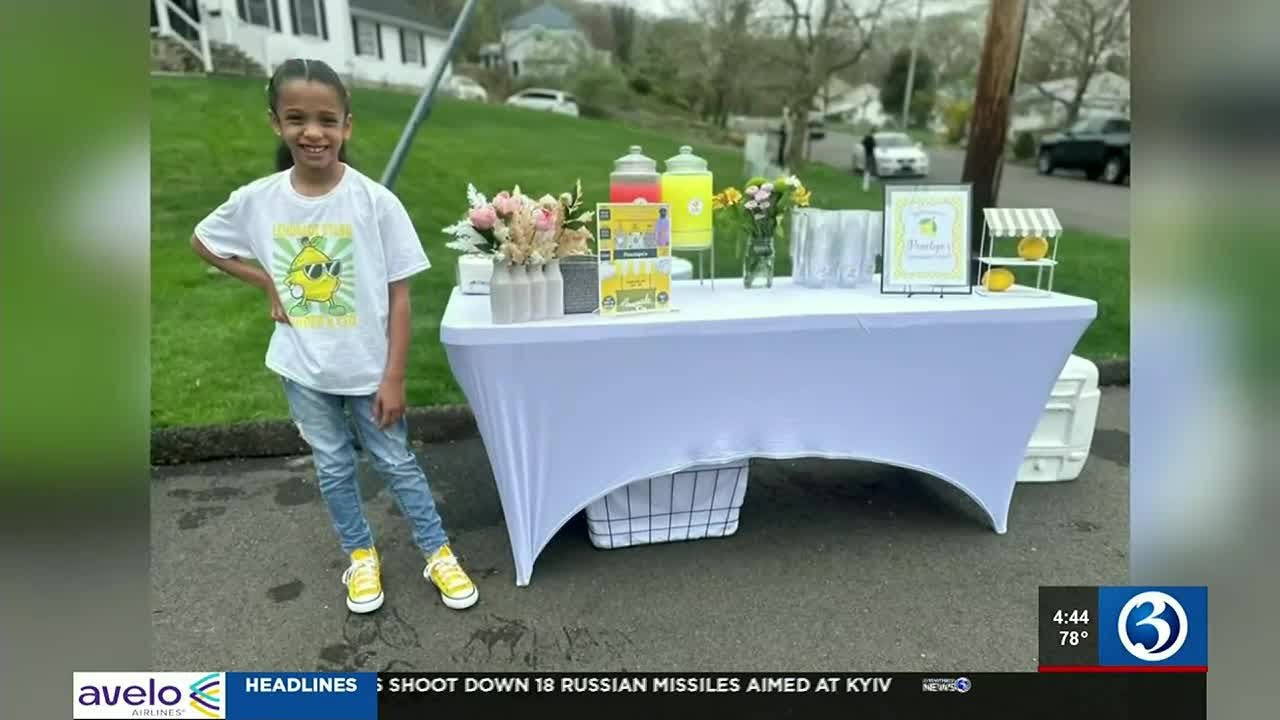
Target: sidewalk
(835, 566)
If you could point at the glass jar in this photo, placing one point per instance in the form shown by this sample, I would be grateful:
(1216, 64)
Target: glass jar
(687, 188)
(757, 259)
(635, 177)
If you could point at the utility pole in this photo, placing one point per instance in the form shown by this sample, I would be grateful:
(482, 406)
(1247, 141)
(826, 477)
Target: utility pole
(911, 67)
(997, 73)
(423, 108)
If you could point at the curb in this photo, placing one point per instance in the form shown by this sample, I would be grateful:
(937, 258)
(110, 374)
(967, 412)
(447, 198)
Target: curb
(446, 423)
(280, 438)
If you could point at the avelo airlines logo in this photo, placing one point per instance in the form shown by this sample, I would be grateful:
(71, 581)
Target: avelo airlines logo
(112, 695)
(206, 695)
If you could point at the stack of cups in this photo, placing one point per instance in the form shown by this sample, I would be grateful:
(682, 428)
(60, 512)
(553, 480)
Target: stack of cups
(834, 248)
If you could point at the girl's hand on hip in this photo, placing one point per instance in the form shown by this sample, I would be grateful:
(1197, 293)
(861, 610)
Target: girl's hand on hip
(278, 313)
(388, 404)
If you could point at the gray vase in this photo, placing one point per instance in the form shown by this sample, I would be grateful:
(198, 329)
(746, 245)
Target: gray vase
(581, 276)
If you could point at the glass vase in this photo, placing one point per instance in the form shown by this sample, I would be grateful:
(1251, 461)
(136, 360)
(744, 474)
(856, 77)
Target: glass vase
(757, 261)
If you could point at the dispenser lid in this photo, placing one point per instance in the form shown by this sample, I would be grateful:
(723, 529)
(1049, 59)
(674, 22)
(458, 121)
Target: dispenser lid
(686, 162)
(635, 162)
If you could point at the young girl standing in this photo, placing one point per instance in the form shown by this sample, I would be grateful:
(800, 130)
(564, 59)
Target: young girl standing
(336, 251)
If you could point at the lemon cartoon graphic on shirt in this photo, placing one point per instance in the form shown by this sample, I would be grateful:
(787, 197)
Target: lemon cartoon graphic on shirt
(314, 274)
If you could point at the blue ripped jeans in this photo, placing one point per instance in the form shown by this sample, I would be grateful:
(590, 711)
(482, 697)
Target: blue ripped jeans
(322, 422)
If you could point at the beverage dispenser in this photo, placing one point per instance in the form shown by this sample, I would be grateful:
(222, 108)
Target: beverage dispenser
(635, 177)
(687, 188)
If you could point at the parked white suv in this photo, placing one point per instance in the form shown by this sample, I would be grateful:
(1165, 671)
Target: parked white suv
(557, 101)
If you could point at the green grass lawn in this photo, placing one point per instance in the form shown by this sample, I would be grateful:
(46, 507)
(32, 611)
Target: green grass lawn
(209, 136)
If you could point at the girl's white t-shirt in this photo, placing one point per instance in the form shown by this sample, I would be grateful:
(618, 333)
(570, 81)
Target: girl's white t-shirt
(331, 258)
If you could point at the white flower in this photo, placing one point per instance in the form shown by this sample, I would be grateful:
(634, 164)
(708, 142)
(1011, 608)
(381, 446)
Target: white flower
(751, 190)
(750, 205)
(501, 232)
(767, 187)
(793, 181)
(475, 198)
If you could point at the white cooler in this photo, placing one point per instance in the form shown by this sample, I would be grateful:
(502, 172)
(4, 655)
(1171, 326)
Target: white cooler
(700, 502)
(1062, 439)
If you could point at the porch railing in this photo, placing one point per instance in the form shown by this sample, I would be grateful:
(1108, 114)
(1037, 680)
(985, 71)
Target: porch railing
(164, 28)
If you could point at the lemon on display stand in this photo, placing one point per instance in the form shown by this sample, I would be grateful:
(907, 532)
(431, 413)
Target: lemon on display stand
(997, 279)
(1033, 248)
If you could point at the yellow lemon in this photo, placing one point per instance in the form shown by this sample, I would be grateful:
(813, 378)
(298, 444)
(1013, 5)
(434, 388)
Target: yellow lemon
(997, 279)
(1033, 248)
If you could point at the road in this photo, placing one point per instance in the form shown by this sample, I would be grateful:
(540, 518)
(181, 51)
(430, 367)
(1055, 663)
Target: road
(836, 565)
(1080, 203)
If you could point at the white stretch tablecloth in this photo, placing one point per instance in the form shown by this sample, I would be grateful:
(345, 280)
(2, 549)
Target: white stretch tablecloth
(571, 409)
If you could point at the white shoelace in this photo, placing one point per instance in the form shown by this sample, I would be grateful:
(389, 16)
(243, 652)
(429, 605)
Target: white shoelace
(367, 564)
(448, 567)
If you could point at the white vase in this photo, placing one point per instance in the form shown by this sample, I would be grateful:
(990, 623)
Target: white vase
(537, 293)
(501, 295)
(555, 290)
(520, 299)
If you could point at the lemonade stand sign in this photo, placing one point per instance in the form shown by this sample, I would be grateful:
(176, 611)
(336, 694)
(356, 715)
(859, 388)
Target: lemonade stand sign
(634, 242)
(926, 242)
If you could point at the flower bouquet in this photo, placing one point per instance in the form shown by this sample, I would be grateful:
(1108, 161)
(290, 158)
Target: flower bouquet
(755, 214)
(521, 241)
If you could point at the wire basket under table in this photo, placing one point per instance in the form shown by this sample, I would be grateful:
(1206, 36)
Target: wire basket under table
(700, 502)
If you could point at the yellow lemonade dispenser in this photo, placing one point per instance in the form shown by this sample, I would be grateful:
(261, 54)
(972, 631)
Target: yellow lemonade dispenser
(687, 190)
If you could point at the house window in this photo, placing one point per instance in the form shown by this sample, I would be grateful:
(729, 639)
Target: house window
(260, 12)
(412, 48)
(308, 18)
(368, 35)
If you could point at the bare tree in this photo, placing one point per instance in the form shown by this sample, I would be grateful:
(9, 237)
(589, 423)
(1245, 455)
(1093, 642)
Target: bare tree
(824, 37)
(623, 20)
(727, 40)
(1079, 37)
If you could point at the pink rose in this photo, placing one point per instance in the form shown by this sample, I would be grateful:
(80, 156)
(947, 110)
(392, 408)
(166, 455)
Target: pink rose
(483, 218)
(505, 204)
(543, 220)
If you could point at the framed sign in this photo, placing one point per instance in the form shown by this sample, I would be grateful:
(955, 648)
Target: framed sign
(634, 243)
(926, 246)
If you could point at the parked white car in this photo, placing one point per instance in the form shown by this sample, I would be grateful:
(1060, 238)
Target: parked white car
(896, 155)
(557, 101)
(464, 88)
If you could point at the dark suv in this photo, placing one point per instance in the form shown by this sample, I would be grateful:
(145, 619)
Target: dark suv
(1098, 146)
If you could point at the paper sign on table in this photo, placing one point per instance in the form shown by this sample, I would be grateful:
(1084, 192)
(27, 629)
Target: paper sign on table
(635, 257)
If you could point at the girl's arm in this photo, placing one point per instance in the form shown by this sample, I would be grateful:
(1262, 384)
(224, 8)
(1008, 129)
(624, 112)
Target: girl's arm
(389, 405)
(250, 273)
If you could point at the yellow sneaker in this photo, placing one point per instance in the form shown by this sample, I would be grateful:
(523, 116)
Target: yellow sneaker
(456, 589)
(364, 581)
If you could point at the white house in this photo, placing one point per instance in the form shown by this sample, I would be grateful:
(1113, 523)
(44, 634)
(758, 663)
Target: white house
(855, 105)
(373, 41)
(546, 42)
(1044, 107)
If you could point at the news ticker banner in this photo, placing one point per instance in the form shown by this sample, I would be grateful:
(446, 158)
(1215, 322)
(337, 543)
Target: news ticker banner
(1124, 629)
(405, 696)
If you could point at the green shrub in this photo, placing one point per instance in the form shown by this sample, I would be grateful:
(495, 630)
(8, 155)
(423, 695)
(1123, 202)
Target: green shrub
(1024, 147)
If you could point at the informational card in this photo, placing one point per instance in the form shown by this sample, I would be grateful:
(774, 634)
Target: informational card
(926, 242)
(634, 257)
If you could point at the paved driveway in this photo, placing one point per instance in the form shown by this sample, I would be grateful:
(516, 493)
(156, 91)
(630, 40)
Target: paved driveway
(836, 565)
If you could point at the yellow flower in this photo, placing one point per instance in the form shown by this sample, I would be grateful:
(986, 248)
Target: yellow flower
(802, 196)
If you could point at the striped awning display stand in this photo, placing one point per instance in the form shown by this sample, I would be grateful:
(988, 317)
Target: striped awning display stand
(1017, 222)
(1014, 224)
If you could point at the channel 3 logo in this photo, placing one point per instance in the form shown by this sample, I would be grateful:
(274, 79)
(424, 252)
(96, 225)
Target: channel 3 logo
(1154, 626)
